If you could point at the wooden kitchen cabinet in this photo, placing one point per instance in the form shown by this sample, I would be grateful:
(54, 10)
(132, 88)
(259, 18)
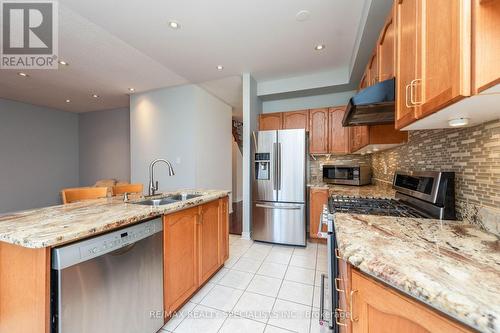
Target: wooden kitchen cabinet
(208, 240)
(296, 119)
(180, 257)
(318, 197)
(24, 289)
(445, 30)
(343, 286)
(373, 73)
(387, 50)
(363, 136)
(223, 230)
(338, 135)
(364, 81)
(485, 54)
(408, 59)
(318, 131)
(359, 137)
(378, 308)
(433, 57)
(196, 245)
(270, 121)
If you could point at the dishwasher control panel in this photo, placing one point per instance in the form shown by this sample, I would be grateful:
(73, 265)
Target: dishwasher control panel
(73, 254)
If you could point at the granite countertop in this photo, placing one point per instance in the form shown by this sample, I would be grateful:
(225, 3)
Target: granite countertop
(454, 268)
(379, 190)
(56, 225)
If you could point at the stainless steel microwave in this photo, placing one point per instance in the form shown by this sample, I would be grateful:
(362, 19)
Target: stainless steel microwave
(347, 174)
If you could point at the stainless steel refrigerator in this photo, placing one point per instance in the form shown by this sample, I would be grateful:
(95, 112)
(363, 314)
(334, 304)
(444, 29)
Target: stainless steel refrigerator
(279, 186)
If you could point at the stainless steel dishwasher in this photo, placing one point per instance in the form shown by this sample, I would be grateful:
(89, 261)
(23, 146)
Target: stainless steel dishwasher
(110, 283)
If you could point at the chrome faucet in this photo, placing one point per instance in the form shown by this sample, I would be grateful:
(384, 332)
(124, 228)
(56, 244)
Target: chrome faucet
(153, 186)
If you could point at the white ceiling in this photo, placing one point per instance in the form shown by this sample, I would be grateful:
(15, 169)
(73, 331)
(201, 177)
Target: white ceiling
(112, 45)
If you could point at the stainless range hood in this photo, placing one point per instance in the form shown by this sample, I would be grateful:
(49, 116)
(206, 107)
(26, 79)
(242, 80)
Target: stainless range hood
(373, 105)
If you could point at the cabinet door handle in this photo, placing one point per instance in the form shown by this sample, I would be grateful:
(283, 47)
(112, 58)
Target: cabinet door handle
(337, 254)
(337, 317)
(406, 96)
(337, 285)
(351, 306)
(413, 84)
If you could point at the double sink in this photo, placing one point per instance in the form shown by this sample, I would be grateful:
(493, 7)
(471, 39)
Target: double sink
(169, 199)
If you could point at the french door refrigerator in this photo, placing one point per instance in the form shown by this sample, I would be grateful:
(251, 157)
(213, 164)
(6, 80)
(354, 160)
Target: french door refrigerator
(279, 186)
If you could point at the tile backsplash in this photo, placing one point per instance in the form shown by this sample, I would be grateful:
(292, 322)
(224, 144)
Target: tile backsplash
(472, 153)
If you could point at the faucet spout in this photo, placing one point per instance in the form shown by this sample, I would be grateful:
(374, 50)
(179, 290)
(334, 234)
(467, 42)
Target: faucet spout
(153, 186)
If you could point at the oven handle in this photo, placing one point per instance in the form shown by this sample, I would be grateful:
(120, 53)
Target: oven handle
(322, 320)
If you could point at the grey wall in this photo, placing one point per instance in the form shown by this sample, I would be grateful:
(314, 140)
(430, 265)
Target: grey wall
(187, 126)
(38, 155)
(306, 102)
(104, 141)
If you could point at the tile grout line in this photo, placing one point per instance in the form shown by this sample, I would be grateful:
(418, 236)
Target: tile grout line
(246, 286)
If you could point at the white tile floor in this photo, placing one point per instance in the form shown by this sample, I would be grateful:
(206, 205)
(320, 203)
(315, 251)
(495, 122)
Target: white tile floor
(262, 288)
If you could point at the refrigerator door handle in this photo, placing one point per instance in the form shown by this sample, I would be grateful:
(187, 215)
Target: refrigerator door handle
(279, 166)
(276, 166)
(278, 207)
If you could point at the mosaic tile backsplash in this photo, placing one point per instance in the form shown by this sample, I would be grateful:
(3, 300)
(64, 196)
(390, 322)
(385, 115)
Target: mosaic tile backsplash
(472, 153)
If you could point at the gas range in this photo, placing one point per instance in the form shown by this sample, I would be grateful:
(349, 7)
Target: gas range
(372, 206)
(418, 195)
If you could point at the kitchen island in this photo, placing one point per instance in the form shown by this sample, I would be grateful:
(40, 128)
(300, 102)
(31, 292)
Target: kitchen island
(27, 238)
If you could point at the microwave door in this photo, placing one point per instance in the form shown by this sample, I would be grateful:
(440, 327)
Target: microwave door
(291, 161)
(264, 167)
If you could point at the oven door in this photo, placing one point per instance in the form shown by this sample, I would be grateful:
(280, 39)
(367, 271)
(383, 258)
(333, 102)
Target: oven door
(328, 293)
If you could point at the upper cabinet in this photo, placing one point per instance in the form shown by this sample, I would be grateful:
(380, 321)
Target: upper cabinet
(446, 52)
(296, 119)
(444, 71)
(270, 121)
(407, 59)
(338, 135)
(373, 74)
(387, 50)
(318, 131)
(485, 53)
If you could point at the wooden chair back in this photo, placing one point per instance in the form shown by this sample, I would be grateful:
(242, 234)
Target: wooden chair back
(128, 188)
(70, 195)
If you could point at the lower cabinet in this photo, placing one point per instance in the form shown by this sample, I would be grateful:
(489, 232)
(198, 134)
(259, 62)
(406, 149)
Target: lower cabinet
(208, 240)
(224, 229)
(318, 197)
(366, 305)
(196, 244)
(180, 257)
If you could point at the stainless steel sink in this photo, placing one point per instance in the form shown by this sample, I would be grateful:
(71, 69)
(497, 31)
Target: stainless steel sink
(167, 200)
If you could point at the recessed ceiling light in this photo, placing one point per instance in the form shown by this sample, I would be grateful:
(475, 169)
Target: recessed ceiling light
(64, 63)
(95, 96)
(220, 67)
(23, 74)
(320, 47)
(303, 15)
(68, 101)
(131, 90)
(174, 25)
(458, 122)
